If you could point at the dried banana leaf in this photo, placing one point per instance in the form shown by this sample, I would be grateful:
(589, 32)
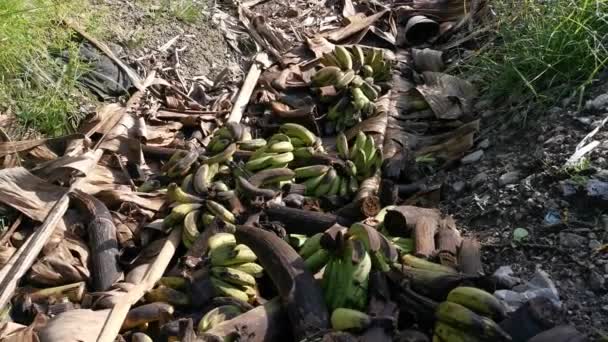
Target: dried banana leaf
(80, 325)
(64, 167)
(115, 198)
(13, 332)
(428, 60)
(66, 263)
(10, 147)
(356, 25)
(6, 252)
(448, 96)
(102, 178)
(27, 193)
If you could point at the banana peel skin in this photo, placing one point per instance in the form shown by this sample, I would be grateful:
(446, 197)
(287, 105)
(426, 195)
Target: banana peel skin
(299, 291)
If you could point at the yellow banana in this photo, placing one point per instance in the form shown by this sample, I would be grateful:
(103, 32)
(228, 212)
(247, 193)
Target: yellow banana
(300, 132)
(479, 301)
(233, 276)
(228, 256)
(221, 240)
(218, 210)
(176, 194)
(250, 268)
(229, 290)
(217, 316)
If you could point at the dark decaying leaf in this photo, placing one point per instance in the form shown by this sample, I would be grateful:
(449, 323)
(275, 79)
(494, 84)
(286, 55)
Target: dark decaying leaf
(66, 263)
(448, 96)
(427, 60)
(375, 124)
(27, 193)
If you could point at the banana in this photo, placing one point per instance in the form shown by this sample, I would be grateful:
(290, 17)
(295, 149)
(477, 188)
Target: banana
(222, 156)
(335, 186)
(344, 57)
(199, 180)
(271, 176)
(311, 184)
(370, 56)
(221, 240)
(404, 245)
(349, 319)
(251, 145)
(141, 337)
(460, 317)
(351, 168)
(416, 262)
(233, 276)
(281, 159)
(218, 210)
(345, 79)
(177, 283)
(358, 145)
(358, 56)
(369, 91)
(223, 133)
(168, 295)
(326, 183)
(326, 76)
(315, 262)
(250, 190)
(338, 108)
(176, 194)
(448, 333)
(310, 171)
(343, 192)
(178, 213)
(303, 152)
(376, 63)
(300, 132)
(228, 290)
(312, 245)
(207, 219)
(297, 142)
(187, 185)
(360, 161)
(280, 147)
(183, 165)
(175, 157)
(329, 59)
(216, 316)
(219, 186)
(236, 130)
(479, 301)
(359, 99)
(367, 71)
(250, 268)
(217, 145)
(356, 82)
(228, 256)
(342, 146)
(279, 137)
(297, 240)
(369, 147)
(353, 185)
(259, 163)
(149, 186)
(190, 231)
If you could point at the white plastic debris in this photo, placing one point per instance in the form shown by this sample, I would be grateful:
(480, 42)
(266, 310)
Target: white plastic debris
(540, 285)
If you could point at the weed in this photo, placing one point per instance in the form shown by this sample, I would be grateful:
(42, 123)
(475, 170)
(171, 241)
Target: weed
(543, 50)
(188, 11)
(35, 85)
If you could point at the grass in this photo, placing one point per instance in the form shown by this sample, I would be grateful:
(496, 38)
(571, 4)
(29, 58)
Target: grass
(543, 50)
(188, 11)
(35, 86)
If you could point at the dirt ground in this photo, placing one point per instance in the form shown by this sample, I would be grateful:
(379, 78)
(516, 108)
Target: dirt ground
(532, 157)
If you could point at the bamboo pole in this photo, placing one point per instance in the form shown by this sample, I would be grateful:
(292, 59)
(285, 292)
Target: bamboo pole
(259, 63)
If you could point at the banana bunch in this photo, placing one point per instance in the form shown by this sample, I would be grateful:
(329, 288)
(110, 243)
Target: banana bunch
(196, 220)
(363, 158)
(233, 268)
(355, 74)
(324, 180)
(469, 314)
(216, 316)
(230, 133)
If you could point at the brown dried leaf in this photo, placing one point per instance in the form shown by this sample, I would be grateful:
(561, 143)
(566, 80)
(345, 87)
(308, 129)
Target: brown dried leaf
(6, 252)
(80, 325)
(319, 45)
(27, 193)
(63, 167)
(102, 178)
(104, 119)
(42, 154)
(66, 263)
(164, 135)
(348, 9)
(10, 147)
(114, 198)
(13, 332)
(375, 124)
(448, 96)
(357, 24)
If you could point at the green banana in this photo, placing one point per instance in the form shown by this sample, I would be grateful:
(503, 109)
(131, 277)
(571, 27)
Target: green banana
(335, 186)
(258, 163)
(413, 261)
(343, 192)
(187, 185)
(279, 137)
(326, 183)
(342, 146)
(233, 276)
(311, 184)
(360, 161)
(315, 262)
(351, 168)
(337, 109)
(460, 317)
(448, 333)
(370, 56)
(329, 59)
(281, 159)
(349, 319)
(228, 256)
(367, 71)
(479, 301)
(297, 142)
(280, 147)
(310, 171)
(221, 240)
(251, 145)
(312, 245)
(360, 101)
(190, 231)
(216, 316)
(326, 76)
(222, 156)
(178, 213)
(358, 56)
(300, 132)
(168, 295)
(358, 145)
(369, 91)
(218, 210)
(404, 245)
(345, 79)
(250, 268)
(344, 57)
(303, 152)
(176, 194)
(217, 145)
(229, 290)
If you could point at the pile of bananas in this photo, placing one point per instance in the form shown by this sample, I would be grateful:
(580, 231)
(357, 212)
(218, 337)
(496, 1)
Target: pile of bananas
(469, 314)
(216, 316)
(363, 158)
(324, 180)
(356, 75)
(233, 268)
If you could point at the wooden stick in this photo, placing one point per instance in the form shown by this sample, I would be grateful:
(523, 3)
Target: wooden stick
(242, 100)
(7, 235)
(155, 271)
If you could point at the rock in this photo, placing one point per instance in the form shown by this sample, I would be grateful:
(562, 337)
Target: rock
(485, 143)
(458, 187)
(598, 103)
(597, 190)
(473, 157)
(568, 188)
(509, 178)
(594, 244)
(596, 281)
(479, 179)
(571, 240)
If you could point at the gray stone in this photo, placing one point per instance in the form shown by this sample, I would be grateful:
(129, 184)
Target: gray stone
(479, 179)
(596, 281)
(472, 157)
(509, 178)
(458, 186)
(594, 244)
(597, 103)
(571, 240)
(485, 143)
(606, 268)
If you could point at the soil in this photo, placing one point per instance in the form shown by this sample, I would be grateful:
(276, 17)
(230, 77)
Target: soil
(566, 248)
